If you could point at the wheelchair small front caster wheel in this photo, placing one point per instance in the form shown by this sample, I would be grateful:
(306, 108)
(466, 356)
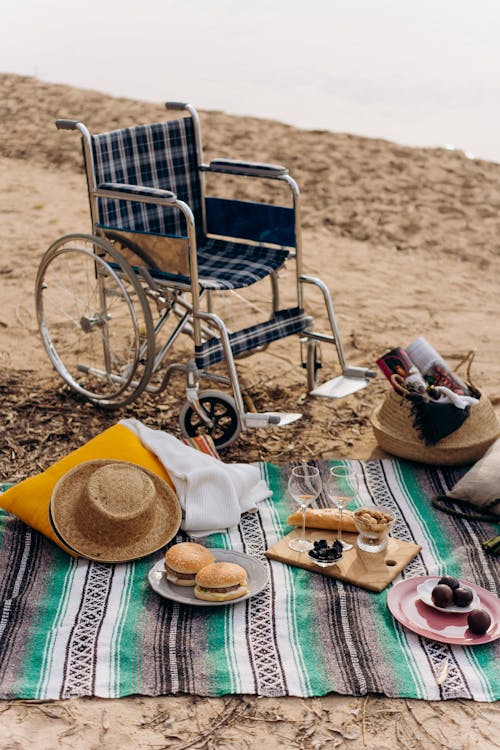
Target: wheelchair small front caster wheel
(221, 410)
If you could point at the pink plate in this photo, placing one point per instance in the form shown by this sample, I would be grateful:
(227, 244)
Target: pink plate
(406, 606)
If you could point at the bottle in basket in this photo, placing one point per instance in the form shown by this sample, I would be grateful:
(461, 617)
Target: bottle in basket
(434, 368)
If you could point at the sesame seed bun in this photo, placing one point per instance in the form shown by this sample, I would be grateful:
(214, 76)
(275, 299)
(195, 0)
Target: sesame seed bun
(221, 582)
(186, 559)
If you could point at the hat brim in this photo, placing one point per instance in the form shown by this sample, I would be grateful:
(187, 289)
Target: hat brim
(392, 424)
(67, 495)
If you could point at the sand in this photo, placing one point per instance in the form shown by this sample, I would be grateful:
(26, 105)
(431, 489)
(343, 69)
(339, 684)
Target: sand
(408, 241)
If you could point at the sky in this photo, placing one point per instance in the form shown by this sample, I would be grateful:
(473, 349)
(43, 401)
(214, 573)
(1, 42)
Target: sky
(419, 73)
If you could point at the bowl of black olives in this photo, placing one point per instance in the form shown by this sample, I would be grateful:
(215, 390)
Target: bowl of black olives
(323, 554)
(448, 594)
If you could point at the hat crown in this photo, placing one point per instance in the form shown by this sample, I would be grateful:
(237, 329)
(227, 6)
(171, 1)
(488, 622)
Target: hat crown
(120, 492)
(120, 504)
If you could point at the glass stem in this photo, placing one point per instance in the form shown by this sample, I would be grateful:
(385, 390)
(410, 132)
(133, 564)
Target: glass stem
(339, 535)
(303, 508)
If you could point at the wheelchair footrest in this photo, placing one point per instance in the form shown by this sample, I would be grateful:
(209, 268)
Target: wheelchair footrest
(284, 323)
(270, 418)
(340, 387)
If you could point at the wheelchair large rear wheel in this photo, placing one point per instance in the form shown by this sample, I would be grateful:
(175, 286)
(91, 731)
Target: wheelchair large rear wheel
(95, 320)
(221, 410)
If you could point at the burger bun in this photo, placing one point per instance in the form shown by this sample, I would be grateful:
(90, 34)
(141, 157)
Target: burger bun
(221, 582)
(184, 560)
(209, 596)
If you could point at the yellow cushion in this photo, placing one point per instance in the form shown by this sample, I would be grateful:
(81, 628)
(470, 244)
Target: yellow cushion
(29, 500)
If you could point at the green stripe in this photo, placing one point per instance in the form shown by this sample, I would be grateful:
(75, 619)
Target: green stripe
(303, 630)
(215, 649)
(118, 630)
(486, 669)
(50, 607)
(221, 633)
(319, 681)
(418, 501)
(273, 476)
(60, 614)
(130, 658)
(391, 640)
(230, 652)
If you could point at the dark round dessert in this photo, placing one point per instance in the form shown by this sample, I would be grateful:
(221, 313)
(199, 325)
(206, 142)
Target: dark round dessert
(478, 621)
(321, 552)
(462, 596)
(442, 595)
(449, 581)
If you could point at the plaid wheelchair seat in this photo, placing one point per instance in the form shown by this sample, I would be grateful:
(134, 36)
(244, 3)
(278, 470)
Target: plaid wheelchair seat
(232, 265)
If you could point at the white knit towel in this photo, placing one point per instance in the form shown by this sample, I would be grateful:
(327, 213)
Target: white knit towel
(212, 494)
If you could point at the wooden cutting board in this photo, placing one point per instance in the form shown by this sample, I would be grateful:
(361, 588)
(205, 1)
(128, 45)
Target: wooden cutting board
(368, 570)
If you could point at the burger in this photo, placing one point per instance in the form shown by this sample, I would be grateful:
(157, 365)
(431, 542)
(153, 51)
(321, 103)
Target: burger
(221, 582)
(184, 560)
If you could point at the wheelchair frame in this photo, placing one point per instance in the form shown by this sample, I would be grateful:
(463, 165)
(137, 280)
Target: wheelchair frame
(210, 411)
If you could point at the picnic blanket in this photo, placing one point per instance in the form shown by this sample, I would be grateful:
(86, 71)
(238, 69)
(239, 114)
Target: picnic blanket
(77, 628)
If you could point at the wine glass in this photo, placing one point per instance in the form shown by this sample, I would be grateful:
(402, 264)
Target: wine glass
(342, 487)
(304, 486)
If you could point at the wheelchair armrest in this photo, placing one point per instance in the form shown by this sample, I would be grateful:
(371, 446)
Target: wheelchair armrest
(248, 169)
(134, 192)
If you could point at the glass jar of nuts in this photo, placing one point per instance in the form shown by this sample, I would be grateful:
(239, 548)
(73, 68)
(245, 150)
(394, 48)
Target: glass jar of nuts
(373, 525)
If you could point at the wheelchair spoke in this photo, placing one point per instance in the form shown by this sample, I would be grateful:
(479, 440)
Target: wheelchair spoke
(94, 324)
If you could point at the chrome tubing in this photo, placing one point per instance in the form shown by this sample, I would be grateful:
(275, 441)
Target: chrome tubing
(179, 106)
(331, 315)
(298, 233)
(228, 354)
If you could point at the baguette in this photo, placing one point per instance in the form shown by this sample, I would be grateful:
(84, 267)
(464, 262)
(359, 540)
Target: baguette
(323, 518)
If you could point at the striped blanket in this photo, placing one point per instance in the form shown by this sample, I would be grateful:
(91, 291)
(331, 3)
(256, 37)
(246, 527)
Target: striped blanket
(77, 628)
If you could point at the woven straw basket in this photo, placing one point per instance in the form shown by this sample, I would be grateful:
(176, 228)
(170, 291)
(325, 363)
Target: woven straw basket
(392, 424)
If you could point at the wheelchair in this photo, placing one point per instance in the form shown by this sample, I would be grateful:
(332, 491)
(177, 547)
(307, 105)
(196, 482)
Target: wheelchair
(112, 304)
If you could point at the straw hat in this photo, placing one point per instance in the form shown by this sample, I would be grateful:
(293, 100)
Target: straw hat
(392, 423)
(113, 511)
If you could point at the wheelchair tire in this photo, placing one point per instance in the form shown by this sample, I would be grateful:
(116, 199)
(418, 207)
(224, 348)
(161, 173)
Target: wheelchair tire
(313, 364)
(94, 320)
(222, 411)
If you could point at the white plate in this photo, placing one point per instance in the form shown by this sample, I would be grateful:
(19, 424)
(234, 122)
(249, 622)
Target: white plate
(256, 575)
(424, 591)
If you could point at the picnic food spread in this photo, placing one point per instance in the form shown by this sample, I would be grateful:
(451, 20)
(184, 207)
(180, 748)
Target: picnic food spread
(184, 560)
(221, 582)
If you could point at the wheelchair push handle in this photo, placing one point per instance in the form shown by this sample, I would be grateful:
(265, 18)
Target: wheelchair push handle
(176, 105)
(66, 124)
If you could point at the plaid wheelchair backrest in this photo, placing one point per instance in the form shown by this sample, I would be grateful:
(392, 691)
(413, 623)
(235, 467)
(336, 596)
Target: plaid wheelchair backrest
(162, 155)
